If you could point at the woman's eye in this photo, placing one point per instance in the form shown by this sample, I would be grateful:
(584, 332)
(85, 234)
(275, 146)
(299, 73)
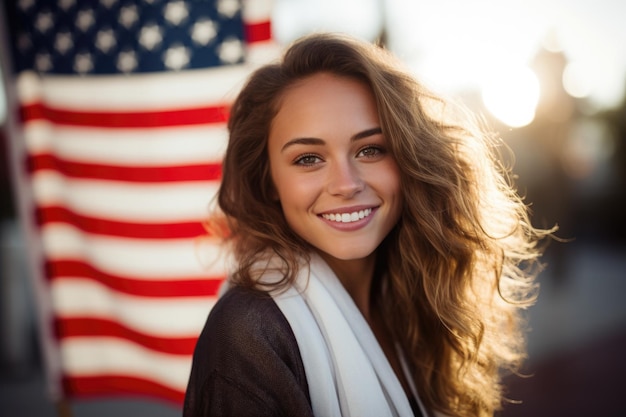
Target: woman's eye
(371, 151)
(307, 160)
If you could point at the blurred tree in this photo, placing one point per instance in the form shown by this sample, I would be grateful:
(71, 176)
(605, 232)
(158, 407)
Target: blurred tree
(539, 149)
(614, 204)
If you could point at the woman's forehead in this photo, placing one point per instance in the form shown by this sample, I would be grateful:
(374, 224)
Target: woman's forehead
(325, 104)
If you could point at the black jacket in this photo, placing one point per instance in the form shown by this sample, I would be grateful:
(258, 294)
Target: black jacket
(247, 362)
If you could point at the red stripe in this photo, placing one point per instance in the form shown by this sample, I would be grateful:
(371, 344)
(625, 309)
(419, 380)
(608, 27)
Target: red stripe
(93, 225)
(90, 327)
(73, 169)
(258, 32)
(108, 386)
(183, 287)
(127, 119)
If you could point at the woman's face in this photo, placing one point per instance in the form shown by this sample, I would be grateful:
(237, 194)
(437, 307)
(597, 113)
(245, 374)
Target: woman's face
(338, 185)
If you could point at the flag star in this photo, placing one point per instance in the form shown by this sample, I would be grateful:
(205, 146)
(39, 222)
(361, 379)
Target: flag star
(63, 42)
(150, 36)
(203, 31)
(128, 16)
(85, 19)
(108, 3)
(66, 4)
(23, 42)
(127, 61)
(176, 57)
(175, 12)
(44, 22)
(231, 50)
(105, 40)
(228, 8)
(24, 5)
(83, 63)
(43, 62)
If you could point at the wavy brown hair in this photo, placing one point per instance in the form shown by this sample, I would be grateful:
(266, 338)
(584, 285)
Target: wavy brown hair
(458, 266)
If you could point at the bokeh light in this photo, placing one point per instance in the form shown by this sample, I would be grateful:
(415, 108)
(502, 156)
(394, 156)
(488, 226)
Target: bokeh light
(511, 95)
(576, 80)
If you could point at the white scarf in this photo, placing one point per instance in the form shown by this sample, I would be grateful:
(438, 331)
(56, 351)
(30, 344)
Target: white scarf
(347, 372)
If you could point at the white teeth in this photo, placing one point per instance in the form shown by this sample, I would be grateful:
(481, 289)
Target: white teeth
(348, 217)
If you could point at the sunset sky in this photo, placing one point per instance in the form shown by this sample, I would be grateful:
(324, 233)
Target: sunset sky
(484, 45)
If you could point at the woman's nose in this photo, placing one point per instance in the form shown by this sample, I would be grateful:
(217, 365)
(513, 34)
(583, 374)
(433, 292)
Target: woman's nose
(344, 179)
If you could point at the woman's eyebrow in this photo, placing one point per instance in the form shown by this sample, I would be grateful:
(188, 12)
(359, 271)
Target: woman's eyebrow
(367, 133)
(317, 141)
(303, 141)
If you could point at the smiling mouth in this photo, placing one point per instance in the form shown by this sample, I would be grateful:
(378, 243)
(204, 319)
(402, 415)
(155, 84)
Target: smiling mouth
(347, 217)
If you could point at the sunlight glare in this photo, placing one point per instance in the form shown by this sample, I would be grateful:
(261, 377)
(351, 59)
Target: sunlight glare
(576, 81)
(511, 95)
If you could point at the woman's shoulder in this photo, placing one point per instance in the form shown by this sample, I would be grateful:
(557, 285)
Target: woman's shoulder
(247, 360)
(242, 305)
(236, 296)
(244, 315)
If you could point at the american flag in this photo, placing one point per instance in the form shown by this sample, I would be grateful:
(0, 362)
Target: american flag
(123, 105)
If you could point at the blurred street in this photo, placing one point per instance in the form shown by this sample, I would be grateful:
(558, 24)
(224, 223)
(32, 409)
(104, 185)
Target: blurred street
(576, 350)
(578, 339)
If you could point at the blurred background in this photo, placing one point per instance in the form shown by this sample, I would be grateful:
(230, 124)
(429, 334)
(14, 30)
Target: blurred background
(549, 76)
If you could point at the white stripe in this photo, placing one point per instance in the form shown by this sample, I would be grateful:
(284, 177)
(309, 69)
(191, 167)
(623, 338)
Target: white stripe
(263, 53)
(102, 355)
(255, 11)
(163, 317)
(141, 202)
(168, 90)
(137, 258)
(140, 147)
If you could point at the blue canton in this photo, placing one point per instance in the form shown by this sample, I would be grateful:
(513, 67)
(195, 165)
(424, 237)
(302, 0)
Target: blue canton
(124, 36)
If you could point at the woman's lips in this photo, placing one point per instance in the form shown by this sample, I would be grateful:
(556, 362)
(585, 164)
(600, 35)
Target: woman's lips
(348, 217)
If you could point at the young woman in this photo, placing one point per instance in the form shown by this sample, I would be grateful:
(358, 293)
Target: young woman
(381, 255)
